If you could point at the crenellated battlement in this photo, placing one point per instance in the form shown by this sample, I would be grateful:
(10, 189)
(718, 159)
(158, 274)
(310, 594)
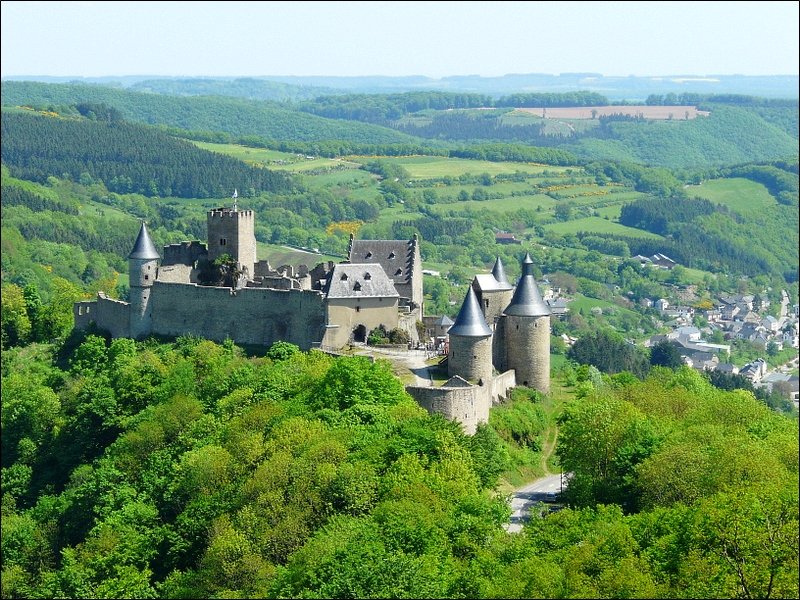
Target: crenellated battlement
(230, 213)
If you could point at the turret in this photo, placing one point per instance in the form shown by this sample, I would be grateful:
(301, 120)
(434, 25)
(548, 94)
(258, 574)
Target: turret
(470, 353)
(143, 269)
(499, 273)
(527, 332)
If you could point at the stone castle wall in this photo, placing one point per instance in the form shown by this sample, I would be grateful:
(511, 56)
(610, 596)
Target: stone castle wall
(501, 387)
(499, 358)
(184, 253)
(407, 321)
(416, 293)
(467, 405)
(108, 314)
(247, 315)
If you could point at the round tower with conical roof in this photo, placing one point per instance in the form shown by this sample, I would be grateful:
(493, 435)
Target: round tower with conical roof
(143, 268)
(527, 332)
(470, 353)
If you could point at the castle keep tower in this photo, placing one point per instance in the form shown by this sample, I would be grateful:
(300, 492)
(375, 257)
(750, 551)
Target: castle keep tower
(232, 231)
(143, 268)
(470, 354)
(527, 333)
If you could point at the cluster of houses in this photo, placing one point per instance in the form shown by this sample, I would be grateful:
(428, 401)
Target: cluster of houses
(737, 317)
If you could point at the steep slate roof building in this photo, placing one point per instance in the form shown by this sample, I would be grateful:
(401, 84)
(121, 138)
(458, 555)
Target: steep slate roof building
(400, 260)
(327, 307)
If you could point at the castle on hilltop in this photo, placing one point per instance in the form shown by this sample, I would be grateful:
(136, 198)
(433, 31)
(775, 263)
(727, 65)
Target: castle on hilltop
(325, 307)
(500, 338)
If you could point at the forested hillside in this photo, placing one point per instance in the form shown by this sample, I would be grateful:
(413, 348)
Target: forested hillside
(739, 128)
(188, 470)
(232, 115)
(126, 157)
(730, 134)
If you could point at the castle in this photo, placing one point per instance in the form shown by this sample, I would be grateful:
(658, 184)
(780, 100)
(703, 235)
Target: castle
(499, 327)
(325, 307)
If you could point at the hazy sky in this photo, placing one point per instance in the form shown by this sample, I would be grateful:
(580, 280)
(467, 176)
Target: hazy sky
(398, 38)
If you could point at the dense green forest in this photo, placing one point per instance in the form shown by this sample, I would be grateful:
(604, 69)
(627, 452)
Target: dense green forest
(237, 116)
(189, 470)
(701, 237)
(126, 157)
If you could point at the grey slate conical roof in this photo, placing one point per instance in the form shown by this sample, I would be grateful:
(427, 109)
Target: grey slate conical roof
(499, 273)
(527, 265)
(144, 249)
(527, 301)
(469, 322)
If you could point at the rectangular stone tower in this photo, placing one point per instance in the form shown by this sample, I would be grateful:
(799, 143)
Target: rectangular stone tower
(232, 231)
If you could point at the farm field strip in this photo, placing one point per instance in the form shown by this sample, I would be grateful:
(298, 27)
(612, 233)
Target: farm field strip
(599, 225)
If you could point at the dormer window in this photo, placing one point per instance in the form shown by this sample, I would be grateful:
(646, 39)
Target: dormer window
(367, 276)
(343, 277)
(356, 287)
(398, 272)
(368, 255)
(391, 255)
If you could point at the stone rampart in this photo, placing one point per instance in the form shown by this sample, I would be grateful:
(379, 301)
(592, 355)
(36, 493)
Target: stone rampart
(468, 405)
(502, 385)
(247, 315)
(106, 313)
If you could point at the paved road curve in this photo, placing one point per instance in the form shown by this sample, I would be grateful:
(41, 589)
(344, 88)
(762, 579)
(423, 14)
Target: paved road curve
(528, 497)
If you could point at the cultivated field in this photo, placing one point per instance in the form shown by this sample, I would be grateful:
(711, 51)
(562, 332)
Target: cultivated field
(660, 113)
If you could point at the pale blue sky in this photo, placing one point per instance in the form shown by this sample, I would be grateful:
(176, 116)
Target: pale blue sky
(398, 38)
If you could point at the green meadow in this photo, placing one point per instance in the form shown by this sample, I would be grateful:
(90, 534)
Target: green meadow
(599, 225)
(741, 195)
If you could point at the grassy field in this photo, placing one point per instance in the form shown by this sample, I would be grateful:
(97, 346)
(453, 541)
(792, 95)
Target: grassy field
(599, 225)
(281, 161)
(499, 205)
(429, 167)
(742, 195)
(261, 156)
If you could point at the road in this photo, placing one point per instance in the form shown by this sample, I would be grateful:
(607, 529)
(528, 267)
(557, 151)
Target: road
(529, 496)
